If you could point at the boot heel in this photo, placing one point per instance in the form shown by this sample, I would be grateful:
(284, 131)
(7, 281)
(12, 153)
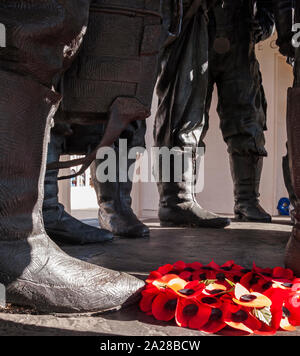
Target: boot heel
(167, 224)
(239, 217)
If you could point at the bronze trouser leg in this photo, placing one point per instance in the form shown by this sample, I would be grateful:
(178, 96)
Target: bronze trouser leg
(182, 90)
(242, 111)
(114, 196)
(59, 225)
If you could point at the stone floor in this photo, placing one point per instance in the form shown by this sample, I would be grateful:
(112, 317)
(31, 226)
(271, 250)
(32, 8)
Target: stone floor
(242, 242)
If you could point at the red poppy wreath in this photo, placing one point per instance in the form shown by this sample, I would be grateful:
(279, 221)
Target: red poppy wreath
(213, 298)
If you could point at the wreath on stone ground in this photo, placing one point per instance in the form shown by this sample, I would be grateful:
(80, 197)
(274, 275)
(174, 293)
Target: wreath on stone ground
(224, 299)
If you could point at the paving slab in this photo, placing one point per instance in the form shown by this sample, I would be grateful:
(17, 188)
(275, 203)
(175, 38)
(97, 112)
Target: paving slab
(244, 243)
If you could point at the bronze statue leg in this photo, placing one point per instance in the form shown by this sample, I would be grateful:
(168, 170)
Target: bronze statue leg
(34, 270)
(292, 258)
(179, 122)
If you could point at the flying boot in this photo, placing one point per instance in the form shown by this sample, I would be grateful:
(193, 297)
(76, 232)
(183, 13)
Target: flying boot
(246, 173)
(114, 199)
(34, 270)
(61, 226)
(178, 205)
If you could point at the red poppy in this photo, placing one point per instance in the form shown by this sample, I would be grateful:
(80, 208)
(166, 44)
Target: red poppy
(192, 314)
(240, 318)
(213, 266)
(268, 272)
(191, 290)
(296, 285)
(211, 301)
(165, 269)
(250, 299)
(204, 274)
(264, 283)
(256, 282)
(148, 295)
(216, 320)
(285, 323)
(230, 266)
(169, 280)
(293, 306)
(179, 266)
(194, 266)
(283, 273)
(214, 298)
(153, 276)
(186, 275)
(277, 296)
(250, 280)
(215, 289)
(164, 305)
(234, 275)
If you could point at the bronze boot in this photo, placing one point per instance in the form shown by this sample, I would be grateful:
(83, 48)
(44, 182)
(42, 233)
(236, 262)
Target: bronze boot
(178, 205)
(114, 199)
(61, 226)
(35, 272)
(246, 173)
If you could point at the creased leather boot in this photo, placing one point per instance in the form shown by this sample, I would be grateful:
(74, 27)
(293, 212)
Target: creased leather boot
(178, 204)
(246, 173)
(34, 270)
(114, 199)
(61, 226)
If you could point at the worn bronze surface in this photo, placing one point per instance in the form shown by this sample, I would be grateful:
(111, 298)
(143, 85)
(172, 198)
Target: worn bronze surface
(43, 36)
(118, 62)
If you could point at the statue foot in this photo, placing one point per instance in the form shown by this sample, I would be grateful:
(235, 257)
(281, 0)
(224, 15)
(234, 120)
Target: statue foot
(122, 223)
(69, 230)
(191, 215)
(38, 274)
(251, 213)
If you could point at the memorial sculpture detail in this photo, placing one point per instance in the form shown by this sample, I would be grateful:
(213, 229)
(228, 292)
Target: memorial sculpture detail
(181, 89)
(42, 39)
(242, 107)
(182, 119)
(117, 62)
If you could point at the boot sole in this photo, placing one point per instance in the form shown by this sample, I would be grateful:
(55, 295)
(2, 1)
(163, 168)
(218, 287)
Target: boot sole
(243, 218)
(70, 314)
(129, 236)
(96, 313)
(213, 224)
(65, 314)
(64, 239)
(144, 234)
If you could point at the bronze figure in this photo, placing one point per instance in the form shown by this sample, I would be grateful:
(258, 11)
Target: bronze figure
(42, 39)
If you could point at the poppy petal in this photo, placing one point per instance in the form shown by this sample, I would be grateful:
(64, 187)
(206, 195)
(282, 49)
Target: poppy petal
(190, 313)
(148, 295)
(164, 306)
